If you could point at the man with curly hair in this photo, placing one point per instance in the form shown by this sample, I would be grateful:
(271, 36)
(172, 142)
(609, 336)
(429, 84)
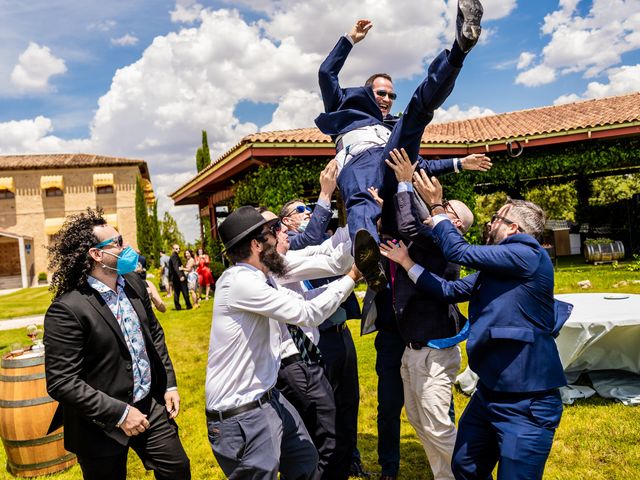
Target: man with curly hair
(106, 360)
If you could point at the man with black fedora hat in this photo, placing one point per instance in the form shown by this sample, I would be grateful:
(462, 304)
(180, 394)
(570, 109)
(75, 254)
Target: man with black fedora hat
(253, 430)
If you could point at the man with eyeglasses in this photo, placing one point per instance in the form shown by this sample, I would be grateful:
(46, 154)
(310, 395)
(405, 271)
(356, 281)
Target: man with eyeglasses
(359, 121)
(253, 430)
(512, 417)
(305, 227)
(106, 360)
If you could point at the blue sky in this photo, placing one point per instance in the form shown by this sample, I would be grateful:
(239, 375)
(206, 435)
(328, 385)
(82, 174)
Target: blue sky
(141, 79)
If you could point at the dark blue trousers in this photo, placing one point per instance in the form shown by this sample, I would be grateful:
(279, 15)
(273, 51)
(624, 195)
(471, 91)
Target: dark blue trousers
(389, 348)
(368, 168)
(514, 430)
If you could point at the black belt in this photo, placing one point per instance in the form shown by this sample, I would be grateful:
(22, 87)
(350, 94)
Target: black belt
(416, 345)
(336, 328)
(295, 358)
(232, 412)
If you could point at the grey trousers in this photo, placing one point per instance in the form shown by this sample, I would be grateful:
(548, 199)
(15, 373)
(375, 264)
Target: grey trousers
(264, 441)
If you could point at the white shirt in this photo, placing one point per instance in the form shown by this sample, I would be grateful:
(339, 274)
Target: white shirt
(244, 346)
(329, 259)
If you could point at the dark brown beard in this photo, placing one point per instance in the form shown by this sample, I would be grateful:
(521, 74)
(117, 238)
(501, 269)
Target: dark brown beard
(275, 262)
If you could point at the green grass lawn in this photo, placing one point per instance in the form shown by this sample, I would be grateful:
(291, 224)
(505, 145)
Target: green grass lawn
(25, 302)
(598, 439)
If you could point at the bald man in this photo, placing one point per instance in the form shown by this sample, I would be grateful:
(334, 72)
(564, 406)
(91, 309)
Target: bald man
(430, 329)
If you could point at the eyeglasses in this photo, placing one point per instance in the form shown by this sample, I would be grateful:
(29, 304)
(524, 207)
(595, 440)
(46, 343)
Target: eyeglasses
(272, 228)
(446, 205)
(275, 227)
(115, 240)
(384, 93)
(504, 220)
(299, 209)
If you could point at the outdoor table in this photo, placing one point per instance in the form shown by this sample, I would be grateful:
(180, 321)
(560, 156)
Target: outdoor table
(602, 338)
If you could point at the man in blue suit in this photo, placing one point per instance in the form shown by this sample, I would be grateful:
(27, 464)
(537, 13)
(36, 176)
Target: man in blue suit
(512, 417)
(359, 121)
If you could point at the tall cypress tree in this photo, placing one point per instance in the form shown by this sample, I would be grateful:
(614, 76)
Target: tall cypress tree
(206, 156)
(143, 230)
(157, 239)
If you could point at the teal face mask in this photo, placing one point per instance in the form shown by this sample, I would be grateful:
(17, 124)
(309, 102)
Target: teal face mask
(127, 261)
(303, 225)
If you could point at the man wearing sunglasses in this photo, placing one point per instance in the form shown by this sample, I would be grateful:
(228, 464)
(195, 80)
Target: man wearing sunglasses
(106, 359)
(305, 227)
(359, 121)
(512, 417)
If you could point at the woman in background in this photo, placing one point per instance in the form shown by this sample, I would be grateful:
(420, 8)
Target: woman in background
(192, 277)
(205, 278)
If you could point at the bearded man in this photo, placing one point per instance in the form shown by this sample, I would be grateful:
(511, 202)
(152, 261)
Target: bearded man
(253, 430)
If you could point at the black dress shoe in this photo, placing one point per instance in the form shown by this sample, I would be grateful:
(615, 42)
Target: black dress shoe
(468, 23)
(367, 259)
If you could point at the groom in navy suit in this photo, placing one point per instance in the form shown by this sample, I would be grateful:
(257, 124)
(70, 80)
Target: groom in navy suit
(512, 417)
(359, 121)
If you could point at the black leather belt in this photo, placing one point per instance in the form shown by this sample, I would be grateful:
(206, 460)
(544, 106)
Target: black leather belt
(232, 412)
(285, 362)
(416, 345)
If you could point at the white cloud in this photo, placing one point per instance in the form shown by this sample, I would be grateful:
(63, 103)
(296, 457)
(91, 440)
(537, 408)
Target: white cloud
(454, 113)
(35, 66)
(33, 136)
(525, 60)
(126, 40)
(102, 26)
(622, 80)
(296, 109)
(186, 11)
(496, 9)
(194, 78)
(588, 44)
(538, 75)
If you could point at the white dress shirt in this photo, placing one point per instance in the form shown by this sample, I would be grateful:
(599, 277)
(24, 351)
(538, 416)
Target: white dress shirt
(329, 259)
(244, 346)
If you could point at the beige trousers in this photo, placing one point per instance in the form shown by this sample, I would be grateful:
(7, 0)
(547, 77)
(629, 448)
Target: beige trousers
(427, 376)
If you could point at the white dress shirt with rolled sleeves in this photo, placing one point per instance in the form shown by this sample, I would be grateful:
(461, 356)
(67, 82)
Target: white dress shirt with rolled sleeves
(244, 346)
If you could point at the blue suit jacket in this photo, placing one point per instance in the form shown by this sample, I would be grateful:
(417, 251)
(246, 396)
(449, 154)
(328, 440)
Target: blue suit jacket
(511, 310)
(315, 233)
(350, 108)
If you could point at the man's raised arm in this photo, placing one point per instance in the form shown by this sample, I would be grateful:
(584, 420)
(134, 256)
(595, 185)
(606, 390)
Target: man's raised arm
(328, 74)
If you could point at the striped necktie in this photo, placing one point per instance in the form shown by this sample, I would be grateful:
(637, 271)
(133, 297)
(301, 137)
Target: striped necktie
(309, 351)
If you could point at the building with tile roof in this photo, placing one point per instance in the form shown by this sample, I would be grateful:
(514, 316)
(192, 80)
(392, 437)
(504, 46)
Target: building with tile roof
(37, 192)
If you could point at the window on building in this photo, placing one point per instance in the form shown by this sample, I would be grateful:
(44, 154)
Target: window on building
(105, 189)
(6, 194)
(54, 192)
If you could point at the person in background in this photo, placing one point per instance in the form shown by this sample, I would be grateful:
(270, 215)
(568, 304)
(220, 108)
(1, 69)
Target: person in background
(205, 279)
(164, 272)
(192, 277)
(178, 279)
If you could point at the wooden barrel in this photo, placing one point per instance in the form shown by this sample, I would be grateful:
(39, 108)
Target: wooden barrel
(604, 252)
(25, 414)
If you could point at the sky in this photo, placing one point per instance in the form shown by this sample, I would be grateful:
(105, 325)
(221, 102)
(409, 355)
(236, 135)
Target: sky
(142, 79)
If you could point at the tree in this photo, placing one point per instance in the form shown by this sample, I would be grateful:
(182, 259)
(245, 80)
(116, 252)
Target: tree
(171, 234)
(157, 239)
(203, 157)
(144, 232)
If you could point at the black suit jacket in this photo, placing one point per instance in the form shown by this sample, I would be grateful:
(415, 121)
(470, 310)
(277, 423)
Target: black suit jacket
(421, 317)
(89, 367)
(174, 268)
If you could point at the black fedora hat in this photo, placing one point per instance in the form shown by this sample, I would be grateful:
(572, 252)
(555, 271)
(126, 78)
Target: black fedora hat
(239, 224)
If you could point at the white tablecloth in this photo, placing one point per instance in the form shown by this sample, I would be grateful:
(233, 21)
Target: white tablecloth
(601, 338)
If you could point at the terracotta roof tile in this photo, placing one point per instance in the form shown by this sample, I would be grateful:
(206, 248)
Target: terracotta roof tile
(63, 160)
(536, 121)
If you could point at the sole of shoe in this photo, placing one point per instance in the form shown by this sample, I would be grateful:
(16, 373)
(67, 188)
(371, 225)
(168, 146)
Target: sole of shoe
(367, 259)
(472, 11)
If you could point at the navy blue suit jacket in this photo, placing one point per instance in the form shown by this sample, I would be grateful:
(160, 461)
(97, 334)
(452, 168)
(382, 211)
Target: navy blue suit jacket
(315, 233)
(350, 108)
(511, 309)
